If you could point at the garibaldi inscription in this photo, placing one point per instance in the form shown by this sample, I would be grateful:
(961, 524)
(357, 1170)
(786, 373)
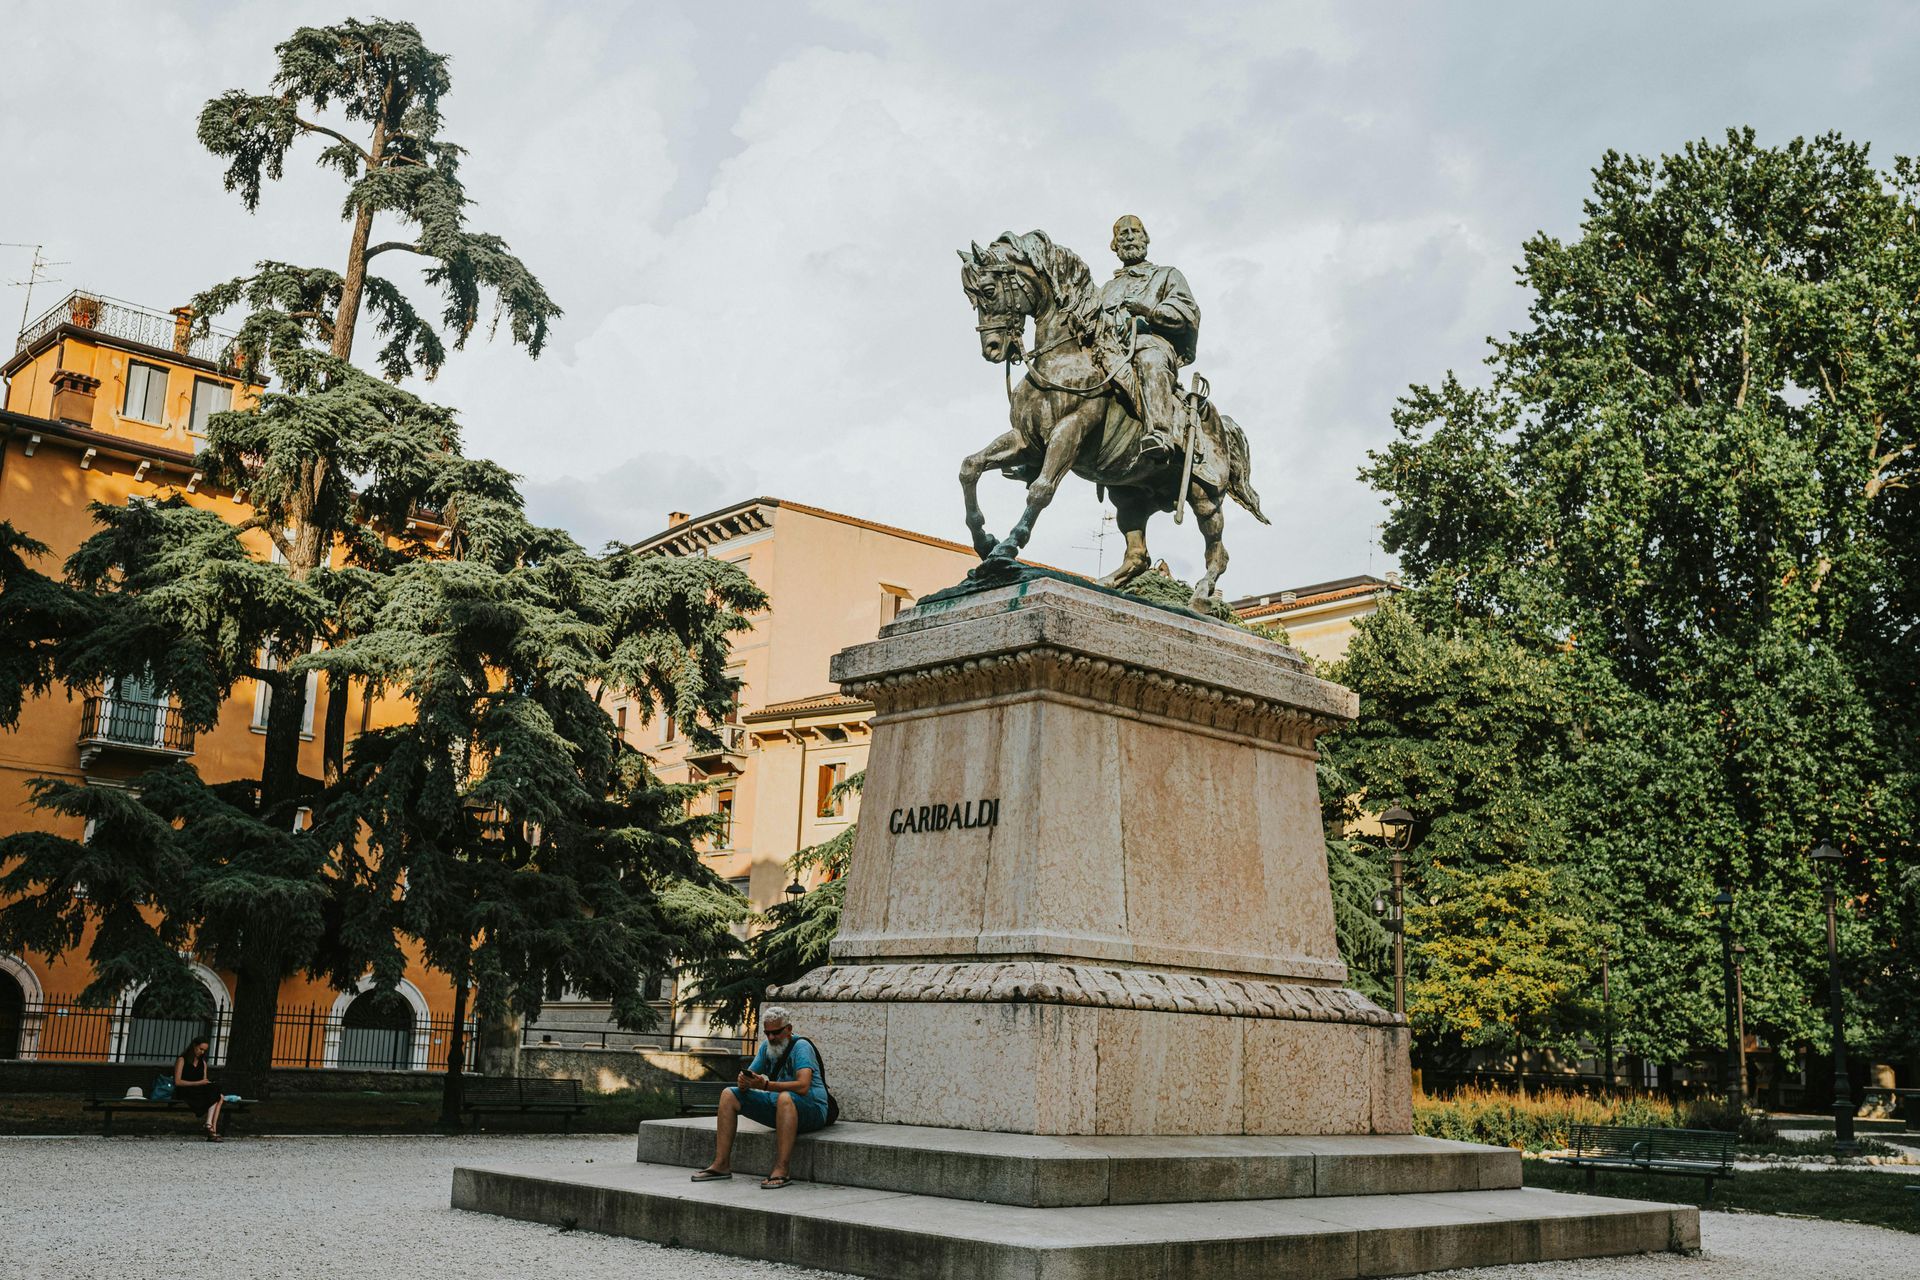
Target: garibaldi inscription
(1101, 397)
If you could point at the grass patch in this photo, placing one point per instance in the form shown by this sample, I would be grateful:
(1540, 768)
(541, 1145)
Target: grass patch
(1878, 1199)
(326, 1112)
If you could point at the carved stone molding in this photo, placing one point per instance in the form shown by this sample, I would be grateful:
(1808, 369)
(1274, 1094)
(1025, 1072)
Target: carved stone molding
(1038, 982)
(1116, 684)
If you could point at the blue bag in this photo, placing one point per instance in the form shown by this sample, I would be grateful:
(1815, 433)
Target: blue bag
(162, 1090)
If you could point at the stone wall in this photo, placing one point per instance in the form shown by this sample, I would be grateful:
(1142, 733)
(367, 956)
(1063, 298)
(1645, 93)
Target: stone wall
(607, 1070)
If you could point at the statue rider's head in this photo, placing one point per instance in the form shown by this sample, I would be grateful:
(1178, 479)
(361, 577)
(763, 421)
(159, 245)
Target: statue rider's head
(1130, 240)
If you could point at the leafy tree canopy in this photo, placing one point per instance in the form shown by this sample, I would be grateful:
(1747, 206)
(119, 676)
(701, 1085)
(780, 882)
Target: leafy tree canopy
(1669, 552)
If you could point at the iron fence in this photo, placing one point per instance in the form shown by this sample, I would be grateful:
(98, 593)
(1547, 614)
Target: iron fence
(117, 319)
(563, 1035)
(60, 1029)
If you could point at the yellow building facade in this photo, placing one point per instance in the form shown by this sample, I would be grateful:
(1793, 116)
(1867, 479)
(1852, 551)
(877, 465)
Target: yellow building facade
(108, 402)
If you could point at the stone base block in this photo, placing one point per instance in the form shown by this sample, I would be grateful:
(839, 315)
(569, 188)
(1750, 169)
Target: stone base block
(918, 1237)
(1054, 1172)
(1082, 1069)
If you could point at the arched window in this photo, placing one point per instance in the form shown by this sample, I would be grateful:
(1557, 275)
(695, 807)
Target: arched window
(376, 1033)
(159, 1033)
(13, 1014)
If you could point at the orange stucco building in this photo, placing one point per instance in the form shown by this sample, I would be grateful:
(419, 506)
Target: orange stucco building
(108, 402)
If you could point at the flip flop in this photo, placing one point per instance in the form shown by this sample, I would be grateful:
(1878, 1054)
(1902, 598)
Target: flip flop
(711, 1175)
(774, 1184)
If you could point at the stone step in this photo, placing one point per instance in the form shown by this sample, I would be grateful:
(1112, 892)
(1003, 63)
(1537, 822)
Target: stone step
(871, 1232)
(1043, 1171)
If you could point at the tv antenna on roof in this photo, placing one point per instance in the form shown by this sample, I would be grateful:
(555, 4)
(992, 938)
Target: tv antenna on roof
(34, 276)
(1099, 547)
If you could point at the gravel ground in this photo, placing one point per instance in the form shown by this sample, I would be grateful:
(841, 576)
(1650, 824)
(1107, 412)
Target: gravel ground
(100, 1209)
(1747, 1246)
(319, 1208)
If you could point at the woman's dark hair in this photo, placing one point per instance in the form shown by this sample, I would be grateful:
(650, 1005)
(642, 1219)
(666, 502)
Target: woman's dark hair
(187, 1052)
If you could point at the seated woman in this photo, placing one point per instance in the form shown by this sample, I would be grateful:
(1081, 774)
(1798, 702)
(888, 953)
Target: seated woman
(192, 1086)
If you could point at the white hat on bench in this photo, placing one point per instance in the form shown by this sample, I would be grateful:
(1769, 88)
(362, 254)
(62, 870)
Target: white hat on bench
(134, 1094)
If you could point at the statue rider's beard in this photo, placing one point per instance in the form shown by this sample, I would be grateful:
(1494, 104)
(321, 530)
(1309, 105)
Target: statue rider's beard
(1132, 253)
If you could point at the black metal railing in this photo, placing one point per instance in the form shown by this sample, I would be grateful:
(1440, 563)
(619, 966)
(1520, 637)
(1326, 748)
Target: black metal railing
(563, 1035)
(136, 723)
(60, 1029)
(116, 319)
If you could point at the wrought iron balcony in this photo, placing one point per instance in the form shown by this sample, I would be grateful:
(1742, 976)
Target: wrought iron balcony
(133, 726)
(110, 317)
(727, 753)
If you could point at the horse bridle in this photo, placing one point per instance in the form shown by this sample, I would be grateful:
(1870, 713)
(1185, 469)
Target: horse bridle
(1014, 321)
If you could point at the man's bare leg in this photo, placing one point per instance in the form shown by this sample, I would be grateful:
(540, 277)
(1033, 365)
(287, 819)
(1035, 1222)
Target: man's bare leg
(786, 1127)
(725, 1125)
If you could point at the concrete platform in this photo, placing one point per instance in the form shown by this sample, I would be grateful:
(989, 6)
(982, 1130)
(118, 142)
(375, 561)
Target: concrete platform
(902, 1236)
(1040, 1171)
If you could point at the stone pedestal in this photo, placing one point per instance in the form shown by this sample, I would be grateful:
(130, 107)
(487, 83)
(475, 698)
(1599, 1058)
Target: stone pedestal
(1085, 968)
(1089, 893)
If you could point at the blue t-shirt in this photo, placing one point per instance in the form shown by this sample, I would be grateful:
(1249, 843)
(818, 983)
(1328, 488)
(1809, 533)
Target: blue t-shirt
(802, 1056)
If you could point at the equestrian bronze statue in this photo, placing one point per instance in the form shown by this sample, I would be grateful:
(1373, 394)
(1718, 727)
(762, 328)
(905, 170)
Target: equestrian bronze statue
(1102, 397)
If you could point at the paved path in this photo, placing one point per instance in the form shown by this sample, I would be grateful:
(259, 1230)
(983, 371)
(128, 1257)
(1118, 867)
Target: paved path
(319, 1208)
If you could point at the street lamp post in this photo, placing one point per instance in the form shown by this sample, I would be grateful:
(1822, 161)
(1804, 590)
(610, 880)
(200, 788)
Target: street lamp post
(1843, 1143)
(1723, 901)
(1606, 1004)
(1398, 825)
(1740, 1011)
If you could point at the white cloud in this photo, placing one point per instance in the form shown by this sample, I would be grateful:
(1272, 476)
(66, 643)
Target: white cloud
(749, 212)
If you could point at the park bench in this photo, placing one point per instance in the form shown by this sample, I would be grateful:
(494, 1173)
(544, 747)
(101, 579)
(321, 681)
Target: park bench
(523, 1095)
(107, 1093)
(1696, 1153)
(699, 1097)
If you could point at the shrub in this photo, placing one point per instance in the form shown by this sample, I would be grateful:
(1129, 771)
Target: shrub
(1534, 1123)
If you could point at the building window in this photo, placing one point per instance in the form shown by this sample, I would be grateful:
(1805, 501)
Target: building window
(620, 720)
(669, 730)
(830, 804)
(263, 696)
(740, 884)
(146, 392)
(893, 600)
(723, 809)
(209, 398)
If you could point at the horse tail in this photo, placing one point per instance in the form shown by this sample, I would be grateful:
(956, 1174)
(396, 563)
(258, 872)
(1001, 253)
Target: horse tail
(1240, 469)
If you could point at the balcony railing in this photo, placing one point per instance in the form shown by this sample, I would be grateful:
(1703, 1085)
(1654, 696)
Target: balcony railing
(113, 318)
(129, 724)
(730, 748)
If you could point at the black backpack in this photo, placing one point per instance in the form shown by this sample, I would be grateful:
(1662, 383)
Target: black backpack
(833, 1105)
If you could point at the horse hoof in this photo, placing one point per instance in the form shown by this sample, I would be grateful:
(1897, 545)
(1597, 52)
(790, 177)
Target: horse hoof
(983, 545)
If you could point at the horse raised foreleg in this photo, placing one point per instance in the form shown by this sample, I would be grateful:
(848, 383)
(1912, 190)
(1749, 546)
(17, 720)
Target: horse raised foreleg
(1130, 511)
(1002, 451)
(1063, 446)
(1205, 505)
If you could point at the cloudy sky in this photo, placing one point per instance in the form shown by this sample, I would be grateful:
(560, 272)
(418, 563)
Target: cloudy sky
(749, 213)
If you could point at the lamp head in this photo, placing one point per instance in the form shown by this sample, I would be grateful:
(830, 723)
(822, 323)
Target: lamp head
(1397, 823)
(1825, 853)
(796, 889)
(1723, 899)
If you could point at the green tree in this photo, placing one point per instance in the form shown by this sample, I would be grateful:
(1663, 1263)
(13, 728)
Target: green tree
(1683, 505)
(333, 462)
(1503, 965)
(506, 825)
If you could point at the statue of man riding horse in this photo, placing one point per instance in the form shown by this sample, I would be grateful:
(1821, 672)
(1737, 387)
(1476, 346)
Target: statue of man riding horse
(1102, 396)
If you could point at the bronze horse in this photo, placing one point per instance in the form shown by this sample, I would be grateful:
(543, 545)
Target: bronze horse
(1074, 411)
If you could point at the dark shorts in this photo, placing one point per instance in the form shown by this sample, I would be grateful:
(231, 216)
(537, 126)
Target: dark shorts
(758, 1104)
